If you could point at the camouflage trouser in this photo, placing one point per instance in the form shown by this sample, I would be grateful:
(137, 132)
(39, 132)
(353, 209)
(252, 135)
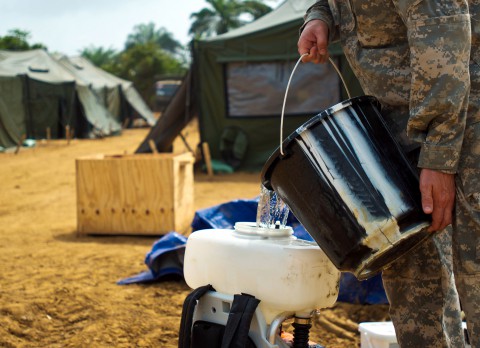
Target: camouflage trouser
(466, 236)
(424, 304)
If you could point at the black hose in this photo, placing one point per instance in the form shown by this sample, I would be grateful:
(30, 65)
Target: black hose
(300, 335)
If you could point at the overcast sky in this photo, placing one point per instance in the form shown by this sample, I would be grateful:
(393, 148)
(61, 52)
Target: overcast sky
(68, 26)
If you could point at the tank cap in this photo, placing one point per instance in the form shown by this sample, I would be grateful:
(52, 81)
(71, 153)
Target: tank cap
(251, 229)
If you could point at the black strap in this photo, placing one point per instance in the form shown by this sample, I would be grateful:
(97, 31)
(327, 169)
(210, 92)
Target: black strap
(239, 319)
(184, 337)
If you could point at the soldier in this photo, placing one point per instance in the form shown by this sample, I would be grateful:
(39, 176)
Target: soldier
(421, 59)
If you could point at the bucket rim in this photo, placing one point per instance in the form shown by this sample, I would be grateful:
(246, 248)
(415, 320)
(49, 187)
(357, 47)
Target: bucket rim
(276, 155)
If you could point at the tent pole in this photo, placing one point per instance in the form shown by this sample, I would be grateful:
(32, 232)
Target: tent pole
(185, 142)
(30, 131)
(20, 142)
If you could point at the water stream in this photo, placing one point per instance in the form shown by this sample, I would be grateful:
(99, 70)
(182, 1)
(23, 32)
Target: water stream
(272, 210)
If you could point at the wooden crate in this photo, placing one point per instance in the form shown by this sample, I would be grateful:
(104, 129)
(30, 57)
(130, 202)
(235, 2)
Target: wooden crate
(141, 194)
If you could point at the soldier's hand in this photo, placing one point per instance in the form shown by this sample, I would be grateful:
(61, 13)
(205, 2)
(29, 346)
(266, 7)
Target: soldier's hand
(314, 41)
(438, 197)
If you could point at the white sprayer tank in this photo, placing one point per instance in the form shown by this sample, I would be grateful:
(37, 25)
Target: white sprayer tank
(285, 273)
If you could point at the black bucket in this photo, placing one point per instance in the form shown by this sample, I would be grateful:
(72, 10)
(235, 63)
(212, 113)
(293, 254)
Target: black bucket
(348, 182)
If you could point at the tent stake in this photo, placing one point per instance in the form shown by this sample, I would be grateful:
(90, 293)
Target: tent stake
(20, 142)
(151, 143)
(67, 134)
(207, 158)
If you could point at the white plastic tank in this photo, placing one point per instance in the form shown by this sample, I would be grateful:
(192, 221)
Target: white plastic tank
(283, 272)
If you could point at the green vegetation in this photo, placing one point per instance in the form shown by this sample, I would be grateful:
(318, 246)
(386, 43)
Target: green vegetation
(17, 40)
(149, 54)
(144, 63)
(224, 15)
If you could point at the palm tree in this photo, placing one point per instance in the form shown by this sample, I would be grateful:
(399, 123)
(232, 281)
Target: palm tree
(99, 56)
(145, 33)
(224, 15)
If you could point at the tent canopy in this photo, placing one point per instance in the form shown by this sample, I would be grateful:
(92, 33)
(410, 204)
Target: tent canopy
(241, 78)
(110, 88)
(36, 64)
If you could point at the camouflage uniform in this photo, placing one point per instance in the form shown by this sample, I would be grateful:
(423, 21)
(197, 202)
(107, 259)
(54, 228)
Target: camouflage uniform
(419, 58)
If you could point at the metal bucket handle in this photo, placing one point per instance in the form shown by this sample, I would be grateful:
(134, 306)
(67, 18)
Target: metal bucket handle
(288, 86)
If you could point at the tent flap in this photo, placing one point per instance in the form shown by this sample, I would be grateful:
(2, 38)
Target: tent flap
(109, 88)
(97, 115)
(12, 112)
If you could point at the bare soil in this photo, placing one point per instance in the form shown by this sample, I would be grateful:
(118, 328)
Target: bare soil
(58, 289)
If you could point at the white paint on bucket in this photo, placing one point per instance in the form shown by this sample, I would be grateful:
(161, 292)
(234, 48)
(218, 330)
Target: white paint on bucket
(381, 231)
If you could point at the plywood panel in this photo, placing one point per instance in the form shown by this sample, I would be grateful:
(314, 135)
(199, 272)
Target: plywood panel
(135, 194)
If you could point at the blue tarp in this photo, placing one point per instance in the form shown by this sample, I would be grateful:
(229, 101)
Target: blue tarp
(166, 256)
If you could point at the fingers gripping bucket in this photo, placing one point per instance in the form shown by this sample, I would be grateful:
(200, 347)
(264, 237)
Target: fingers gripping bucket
(347, 181)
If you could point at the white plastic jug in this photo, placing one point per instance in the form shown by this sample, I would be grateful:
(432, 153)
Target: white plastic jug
(283, 272)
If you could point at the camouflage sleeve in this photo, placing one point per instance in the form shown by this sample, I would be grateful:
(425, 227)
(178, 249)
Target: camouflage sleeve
(439, 38)
(321, 10)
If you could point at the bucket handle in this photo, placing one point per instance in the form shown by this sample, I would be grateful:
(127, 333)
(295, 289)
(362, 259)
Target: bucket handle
(288, 86)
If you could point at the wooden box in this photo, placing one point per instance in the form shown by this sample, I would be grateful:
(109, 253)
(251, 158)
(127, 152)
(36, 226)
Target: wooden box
(141, 194)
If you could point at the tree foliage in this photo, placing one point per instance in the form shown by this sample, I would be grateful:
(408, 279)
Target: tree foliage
(17, 40)
(143, 63)
(144, 33)
(149, 53)
(104, 58)
(224, 15)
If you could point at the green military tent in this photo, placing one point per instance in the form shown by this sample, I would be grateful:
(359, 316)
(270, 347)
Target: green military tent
(39, 94)
(237, 83)
(241, 79)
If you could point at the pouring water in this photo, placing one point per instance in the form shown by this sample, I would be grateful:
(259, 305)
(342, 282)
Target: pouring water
(272, 211)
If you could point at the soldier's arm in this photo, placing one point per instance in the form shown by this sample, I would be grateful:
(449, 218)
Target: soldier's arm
(439, 38)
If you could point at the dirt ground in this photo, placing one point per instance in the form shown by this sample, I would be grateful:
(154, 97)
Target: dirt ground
(58, 289)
